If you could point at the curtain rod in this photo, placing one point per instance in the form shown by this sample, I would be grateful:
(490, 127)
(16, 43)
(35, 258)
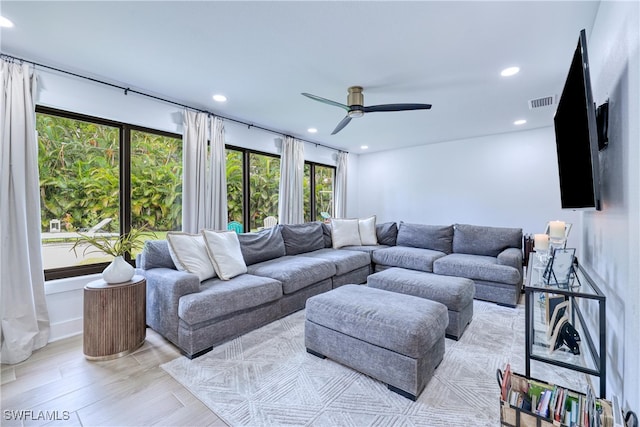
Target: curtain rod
(157, 98)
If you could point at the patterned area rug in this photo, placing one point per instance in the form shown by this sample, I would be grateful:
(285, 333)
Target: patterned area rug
(266, 378)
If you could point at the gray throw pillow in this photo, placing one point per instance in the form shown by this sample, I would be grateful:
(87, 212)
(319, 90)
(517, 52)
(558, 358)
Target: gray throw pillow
(326, 233)
(301, 238)
(387, 233)
(155, 254)
(261, 246)
(434, 237)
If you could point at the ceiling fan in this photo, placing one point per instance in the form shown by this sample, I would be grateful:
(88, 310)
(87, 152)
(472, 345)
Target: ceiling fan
(355, 106)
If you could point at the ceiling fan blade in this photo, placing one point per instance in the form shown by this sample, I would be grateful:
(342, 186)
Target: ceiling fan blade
(396, 107)
(341, 125)
(326, 101)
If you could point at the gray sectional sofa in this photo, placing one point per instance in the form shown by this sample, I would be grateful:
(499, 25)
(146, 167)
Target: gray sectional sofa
(490, 256)
(288, 264)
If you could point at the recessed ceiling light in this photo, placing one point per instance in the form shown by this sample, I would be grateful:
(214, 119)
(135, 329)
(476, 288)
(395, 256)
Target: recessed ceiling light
(520, 122)
(312, 130)
(4, 22)
(219, 98)
(507, 72)
(364, 147)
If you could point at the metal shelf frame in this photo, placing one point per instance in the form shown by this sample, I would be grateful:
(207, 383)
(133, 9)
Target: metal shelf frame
(586, 290)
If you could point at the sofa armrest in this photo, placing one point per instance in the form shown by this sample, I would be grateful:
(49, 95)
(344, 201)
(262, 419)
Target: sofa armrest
(511, 257)
(165, 287)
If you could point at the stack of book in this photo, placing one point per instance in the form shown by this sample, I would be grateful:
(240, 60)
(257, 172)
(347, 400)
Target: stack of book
(527, 398)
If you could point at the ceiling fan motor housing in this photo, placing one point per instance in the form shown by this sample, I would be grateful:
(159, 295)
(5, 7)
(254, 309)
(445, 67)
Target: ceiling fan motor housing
(355, 101)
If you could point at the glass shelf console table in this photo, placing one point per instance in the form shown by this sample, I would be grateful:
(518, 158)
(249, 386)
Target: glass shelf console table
(585, 311)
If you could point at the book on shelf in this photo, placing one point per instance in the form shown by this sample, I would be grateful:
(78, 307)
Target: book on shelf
(506, 382)
(558, 405)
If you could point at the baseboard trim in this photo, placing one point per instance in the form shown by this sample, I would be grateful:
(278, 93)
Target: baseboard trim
(68, 328)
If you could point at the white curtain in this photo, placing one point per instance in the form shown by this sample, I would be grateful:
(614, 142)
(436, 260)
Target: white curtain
(194, 171)
(204, 182)
(216, 219)
(290, 200)
(25, 320)
(341, 186)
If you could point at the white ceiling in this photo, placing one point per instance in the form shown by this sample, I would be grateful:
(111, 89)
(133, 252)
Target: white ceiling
(263, 54)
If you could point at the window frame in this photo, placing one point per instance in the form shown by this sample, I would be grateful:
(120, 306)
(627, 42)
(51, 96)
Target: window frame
(124, 169)
(312, 186)
(246, 182)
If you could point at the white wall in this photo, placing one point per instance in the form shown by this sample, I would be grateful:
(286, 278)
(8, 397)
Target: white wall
(611, 237)
(508, 180)
(65, 296)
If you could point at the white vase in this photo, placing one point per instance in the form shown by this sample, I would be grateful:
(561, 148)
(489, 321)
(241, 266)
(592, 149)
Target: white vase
(118, 271)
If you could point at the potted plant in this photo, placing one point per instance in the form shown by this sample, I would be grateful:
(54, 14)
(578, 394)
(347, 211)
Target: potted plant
(117, 246)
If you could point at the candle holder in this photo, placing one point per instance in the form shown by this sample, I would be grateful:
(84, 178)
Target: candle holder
(557, 243)
(543, 257)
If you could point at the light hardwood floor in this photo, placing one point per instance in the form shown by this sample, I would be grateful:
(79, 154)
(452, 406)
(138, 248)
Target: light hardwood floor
(59, 384)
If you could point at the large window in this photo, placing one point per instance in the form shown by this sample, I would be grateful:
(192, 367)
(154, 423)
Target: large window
(235, 185)
(264, 176)
(156, 182)
(318, 191)
(102, 178)
(253, 182)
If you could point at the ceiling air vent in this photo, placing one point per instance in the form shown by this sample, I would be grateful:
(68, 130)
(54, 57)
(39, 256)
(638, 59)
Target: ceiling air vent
(540, 102)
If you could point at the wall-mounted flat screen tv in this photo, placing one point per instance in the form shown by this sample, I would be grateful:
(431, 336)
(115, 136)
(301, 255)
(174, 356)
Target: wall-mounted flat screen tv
(576, 136)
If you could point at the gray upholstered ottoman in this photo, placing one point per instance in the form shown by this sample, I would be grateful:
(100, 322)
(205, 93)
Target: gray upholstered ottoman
(395, 338)
(454, 292)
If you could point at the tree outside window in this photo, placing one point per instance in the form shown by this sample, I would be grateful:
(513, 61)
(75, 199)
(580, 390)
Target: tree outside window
(86, 165)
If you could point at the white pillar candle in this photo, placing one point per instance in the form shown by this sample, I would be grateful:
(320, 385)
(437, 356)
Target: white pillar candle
(541, 242)
(556, 229)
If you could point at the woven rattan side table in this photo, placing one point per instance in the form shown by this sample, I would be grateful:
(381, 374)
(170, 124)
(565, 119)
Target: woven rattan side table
(114, 318)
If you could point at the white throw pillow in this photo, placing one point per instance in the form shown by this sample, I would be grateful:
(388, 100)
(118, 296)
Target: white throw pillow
(189, 253)
(344, 232)
(224, 250)
(367, 229)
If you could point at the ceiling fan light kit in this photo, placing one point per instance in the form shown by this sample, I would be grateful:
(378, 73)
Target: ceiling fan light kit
(355, 106)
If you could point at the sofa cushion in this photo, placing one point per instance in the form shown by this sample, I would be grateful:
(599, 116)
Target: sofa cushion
(261, 246)
(367, 230)
(301, 238)
(189, 254)
(476, 267)
(483, 240)
(387, 233)
(407, 257)
(223, 248)
(454, 292)
(294, 272)
(367, 249)
(511, 257)
(345, 232)
(155, 254)
(434, 237)
(345, 261)
(218, 298)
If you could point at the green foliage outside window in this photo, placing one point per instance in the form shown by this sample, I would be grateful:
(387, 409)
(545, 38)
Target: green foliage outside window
(234, 186)
(156, 181)
(264, 177)
(80, 176)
